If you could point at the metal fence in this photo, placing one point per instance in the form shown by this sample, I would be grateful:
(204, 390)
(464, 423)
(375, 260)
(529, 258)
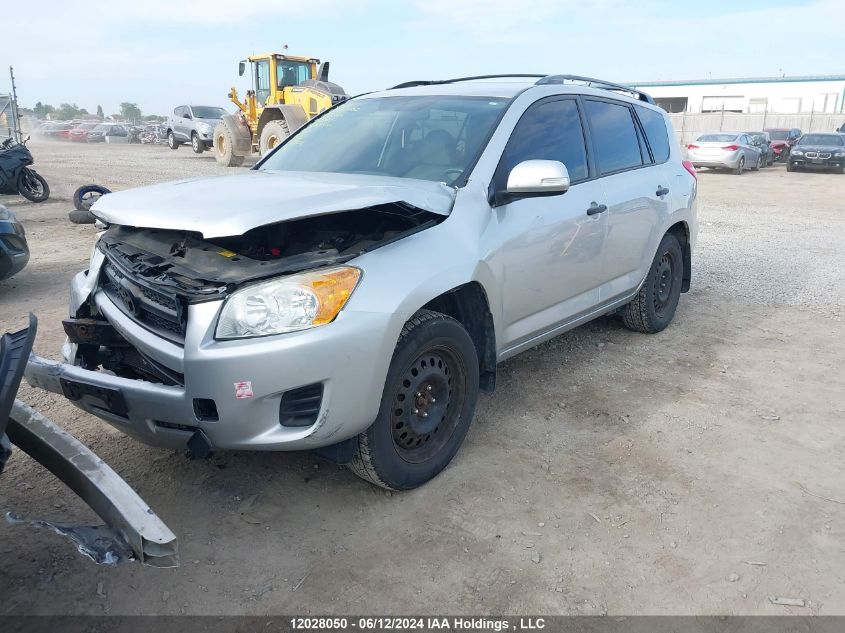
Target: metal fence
(689, 126)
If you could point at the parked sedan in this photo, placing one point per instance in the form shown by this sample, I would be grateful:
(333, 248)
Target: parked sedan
(782, 140)
(14, 251)
(818, 151)
(79, 134)
(725, 150)
(763, 142)
(99, 133)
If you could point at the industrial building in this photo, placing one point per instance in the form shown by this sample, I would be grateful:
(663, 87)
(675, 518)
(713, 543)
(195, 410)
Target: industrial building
(783, 95)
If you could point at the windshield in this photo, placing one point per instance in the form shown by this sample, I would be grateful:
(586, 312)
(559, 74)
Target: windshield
(290, 73)
(101, 128)
(427, 137)
(717, 138)
(207, 112)
(778, 135)
(821, 139)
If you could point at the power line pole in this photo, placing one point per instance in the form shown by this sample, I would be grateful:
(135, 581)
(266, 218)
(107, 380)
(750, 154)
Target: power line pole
(16, 121)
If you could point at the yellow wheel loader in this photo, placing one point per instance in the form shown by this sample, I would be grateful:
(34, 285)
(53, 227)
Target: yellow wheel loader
(286, 92)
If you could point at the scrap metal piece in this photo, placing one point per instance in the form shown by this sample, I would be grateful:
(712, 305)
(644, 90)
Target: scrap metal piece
(96, 483)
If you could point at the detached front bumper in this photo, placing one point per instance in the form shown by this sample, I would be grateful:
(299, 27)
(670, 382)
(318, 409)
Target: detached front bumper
(234, 392)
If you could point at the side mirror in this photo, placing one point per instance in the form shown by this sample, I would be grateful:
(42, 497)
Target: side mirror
(187, 115)
(532, 178)
(241, 69)
(26, 138)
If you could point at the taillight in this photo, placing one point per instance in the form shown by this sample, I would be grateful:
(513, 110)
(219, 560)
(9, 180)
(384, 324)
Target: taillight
(691, 146)
(690, 168)
(731, 148)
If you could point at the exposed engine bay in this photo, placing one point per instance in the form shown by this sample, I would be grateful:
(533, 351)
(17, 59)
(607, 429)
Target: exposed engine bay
(153, 275)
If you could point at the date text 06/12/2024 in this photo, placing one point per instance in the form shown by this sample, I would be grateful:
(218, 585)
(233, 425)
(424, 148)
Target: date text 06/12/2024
(416, 623)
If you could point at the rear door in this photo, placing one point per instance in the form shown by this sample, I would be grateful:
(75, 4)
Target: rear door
(636, 189)
(549, 249)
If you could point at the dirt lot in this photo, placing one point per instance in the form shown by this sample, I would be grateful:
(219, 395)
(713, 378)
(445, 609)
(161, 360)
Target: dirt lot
(681, 473)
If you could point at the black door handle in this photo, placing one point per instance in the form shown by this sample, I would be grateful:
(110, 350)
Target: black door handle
(661, 191)
(596, 208)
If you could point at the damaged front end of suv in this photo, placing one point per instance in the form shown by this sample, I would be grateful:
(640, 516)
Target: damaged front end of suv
(170, 331)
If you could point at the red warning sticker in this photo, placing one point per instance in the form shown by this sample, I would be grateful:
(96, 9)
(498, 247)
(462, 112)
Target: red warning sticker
(243, 389)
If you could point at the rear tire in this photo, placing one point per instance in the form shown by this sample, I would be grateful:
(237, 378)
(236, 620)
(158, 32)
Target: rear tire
(654, 306)
(171, 140)
(758, 164)
(81, 216)
(740, 167)
(196, 144)
(32, 186)
(224, 147)
(86, 195)
(426, 408)
(274, 132)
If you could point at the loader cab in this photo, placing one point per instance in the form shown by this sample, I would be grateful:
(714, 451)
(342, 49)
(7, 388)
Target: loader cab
(272, 73)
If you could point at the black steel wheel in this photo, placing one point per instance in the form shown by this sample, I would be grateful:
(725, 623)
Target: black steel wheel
(654, 306)
(427, 405)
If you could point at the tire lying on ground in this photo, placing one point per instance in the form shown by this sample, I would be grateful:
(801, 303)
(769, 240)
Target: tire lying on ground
(80, 216)
(85, 197)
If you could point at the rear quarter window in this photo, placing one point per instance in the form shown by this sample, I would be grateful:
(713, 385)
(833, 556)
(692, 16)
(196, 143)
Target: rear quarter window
(654, 126)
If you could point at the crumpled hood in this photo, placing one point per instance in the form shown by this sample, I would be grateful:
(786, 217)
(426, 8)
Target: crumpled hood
(231, 205)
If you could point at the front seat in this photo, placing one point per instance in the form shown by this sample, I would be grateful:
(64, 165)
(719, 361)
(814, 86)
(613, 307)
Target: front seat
(434, 156)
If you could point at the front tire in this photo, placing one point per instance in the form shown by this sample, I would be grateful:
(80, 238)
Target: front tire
(172, 143)
(196, 144)
(790, 167)
(654, 306)
(426, 408)
(32, 186)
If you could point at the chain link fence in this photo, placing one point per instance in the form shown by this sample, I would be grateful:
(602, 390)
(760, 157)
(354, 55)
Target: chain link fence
(689, 127)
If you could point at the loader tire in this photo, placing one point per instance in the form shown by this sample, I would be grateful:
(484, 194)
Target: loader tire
(274, 132)
(224, 147)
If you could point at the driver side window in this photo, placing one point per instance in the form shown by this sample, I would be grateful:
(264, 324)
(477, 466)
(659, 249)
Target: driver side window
(262, 81)
(549, 130)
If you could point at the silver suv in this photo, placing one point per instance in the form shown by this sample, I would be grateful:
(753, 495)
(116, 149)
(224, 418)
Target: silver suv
(193, 124)
(355, 290)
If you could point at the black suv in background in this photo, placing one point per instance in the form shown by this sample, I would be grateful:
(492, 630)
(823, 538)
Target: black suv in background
(818, 151)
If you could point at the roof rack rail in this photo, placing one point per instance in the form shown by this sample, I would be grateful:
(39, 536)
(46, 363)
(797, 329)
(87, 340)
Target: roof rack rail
(434, 82)
(596, 83)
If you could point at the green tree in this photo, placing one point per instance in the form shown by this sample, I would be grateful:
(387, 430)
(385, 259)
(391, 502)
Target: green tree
(42, 110)
(130, 111)
(100, 114)
(69, 111)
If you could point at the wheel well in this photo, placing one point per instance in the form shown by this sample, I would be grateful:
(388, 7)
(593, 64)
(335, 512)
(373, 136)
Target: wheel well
(468, 305)
(681, 232)
(268, 114)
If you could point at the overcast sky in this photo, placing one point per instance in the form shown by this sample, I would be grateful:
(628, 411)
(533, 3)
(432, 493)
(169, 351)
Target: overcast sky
(161, 53)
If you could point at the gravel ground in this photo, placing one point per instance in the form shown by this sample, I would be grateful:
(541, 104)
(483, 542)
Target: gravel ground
(698, 471)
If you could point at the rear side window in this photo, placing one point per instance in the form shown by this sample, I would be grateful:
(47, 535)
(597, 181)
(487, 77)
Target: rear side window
(655, 131)
(549, 130)
(614, 136)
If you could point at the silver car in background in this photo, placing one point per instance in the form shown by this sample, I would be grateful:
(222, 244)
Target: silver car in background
(193, 124)
(725, 150)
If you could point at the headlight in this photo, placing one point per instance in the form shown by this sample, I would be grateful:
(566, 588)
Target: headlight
(287, 304)
(5, 214)
(204, 127)
(797, 152)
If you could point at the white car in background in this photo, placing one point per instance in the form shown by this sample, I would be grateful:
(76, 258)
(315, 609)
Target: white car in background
(725, 150)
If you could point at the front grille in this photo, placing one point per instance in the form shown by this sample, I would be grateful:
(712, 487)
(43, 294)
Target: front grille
(154, 309)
